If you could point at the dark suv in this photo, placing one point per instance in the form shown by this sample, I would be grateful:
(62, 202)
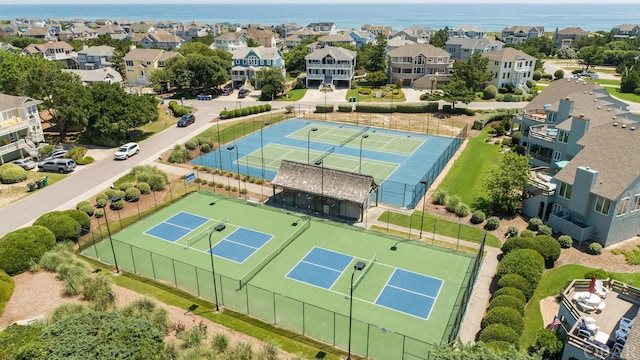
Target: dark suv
(186, 120)
(243, 93)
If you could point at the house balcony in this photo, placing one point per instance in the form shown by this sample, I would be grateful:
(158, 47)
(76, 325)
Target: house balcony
(322, 77)
(328, 66)
(543, 132)
(541, 182)
(538, 115)
(20, 145)
(540, 156)
(565, 223)
(17, 125)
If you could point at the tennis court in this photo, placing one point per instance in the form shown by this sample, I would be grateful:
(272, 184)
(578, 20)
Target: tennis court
(295, 272)
(399, 161)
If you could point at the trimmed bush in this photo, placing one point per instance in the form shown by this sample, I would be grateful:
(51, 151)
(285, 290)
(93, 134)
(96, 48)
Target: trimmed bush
(499, 346)
(545, 230)
(143, 187)
(511, 291)
(12, 174)
(347, 108)
(110, 193)
(117, 205)
(124, 186)
(527, 263)
(512, 231)
(21, 247)
(99, 213)
(191, 144)
(63, 226)
(87, 209)
(594, 248)
(453, 202)
(534, 224)
(101, 202)
(477, 217)
(81, 204)
(565, 241)
(322, 108)
(6, 289)
(80, 217)
(462, 209)
(179, 155)
(507, 301)
(489, 92)
(440, 197)
(545, 245)
(493, 222)
(527, 233)
(77, 152)
(506, 316)
(498, 332)
(558, 74)
(548, 344)
(205, 148)
(537, 75)
(132, 194)
(518, 282)
(84, 160)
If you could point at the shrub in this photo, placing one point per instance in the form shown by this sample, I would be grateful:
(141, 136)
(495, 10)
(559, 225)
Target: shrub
(512, 231)
(179, 155)
(597, 273)
(545, 245)
(12, 174)
(99, 213)
(220, 342)
(489, 92)
(565, 241)
(19, 247)
(101, 202)
(205, 148)
(72, 275)
(506, 316)
(67, 309)
(518, 282)
(440, 197)
(511, 291)
(63, 227)
(499, 346)
(527, 233)
(124, 186)
(498, 332)
(534, 223)
(95, 287)
(537, 75)
(461, 209)
(80, 217)
(77, 152)
(84, 160)
(117, 205)
(191, 144)
(58, 255)
(81, 204)
(594, 248)
(110, 193)
(132, 194)
(143, 187)
(87, 209)
(507, 301)
(545, 230)
(527, 263)
(548, 344)
(493, 222)
(453, 202)
(155, 177)
(559, 74)
(478, 217)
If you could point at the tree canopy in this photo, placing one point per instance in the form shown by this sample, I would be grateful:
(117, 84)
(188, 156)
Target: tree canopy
(273, 77)
(506, 182)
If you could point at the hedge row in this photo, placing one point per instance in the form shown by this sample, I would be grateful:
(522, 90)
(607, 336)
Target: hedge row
(480, 123)
(177, 109)
(19, 248)
(545, 245)
(324, 108)
(415, 108)
(245, 111)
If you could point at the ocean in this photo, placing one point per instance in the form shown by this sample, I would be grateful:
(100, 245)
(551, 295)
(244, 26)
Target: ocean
(490, 17)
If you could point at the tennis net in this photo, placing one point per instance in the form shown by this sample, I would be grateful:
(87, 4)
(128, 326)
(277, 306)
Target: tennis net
(256, 269)
(365, 271)
(325, 154)
(204, 233)
(350, 138)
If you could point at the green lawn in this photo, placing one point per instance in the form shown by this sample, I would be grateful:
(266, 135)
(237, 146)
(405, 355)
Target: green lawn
(397, 96)
(293, 95)
(606, 82)
(624, 96)
(442, 226)
(552, 283)
(467, 175)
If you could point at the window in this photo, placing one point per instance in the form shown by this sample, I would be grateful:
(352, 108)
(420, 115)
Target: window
(565, 190)
(603, 205)
(624, 204)
(636, 203)
(129, 63)
(556, 155)
(563, 136)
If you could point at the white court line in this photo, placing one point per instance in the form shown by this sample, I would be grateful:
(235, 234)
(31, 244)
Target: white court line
(320, 266)
(411, 291)
(180, 226)
(241, 244)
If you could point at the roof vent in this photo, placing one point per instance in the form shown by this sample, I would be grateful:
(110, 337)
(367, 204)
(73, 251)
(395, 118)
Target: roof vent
(615, 124)
(599, 107)
(591, 93)
(568, 80)
(632, 128)
(608, 109)
(595, 100)
(581, 115)
(567, 98)
(614, 119)
(585, 91)
(624, 126)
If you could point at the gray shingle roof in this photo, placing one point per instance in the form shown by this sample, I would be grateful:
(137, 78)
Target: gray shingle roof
(101, 50)
(412, 50)
(97, 75)
(337, 184)
(336, 52)
(8, 102)
(507, 54)
(262, 52)
(557, 90)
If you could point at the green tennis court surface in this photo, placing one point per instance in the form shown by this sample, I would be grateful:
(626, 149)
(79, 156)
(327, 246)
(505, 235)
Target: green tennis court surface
(403, 298)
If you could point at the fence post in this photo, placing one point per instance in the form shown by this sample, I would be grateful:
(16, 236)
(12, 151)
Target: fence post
(153, 267)
(433, 235)
(175, 278)
(133, 259)
(458, 242)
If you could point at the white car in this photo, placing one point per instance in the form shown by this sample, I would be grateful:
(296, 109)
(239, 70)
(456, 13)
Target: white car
(126, 150)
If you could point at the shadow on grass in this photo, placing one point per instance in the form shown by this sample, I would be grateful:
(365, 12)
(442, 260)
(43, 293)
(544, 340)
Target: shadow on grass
(138, 135)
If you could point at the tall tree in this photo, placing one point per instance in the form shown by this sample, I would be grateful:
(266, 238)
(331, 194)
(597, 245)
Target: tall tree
(591, 56)
(439, 38)
(506, 183)
(376, 58)
(456, 90)
(473, 72)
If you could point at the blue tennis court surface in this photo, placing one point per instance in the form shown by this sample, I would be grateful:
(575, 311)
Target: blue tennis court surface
(240, 244)
(410, 293)
(320, 267)
(176, 226)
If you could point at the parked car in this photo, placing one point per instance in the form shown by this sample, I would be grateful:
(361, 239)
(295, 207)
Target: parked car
(57, 154)
(59, 165)
(186, 120)
(243, 93)
(227, 91)
(26, 164)
(126, 150)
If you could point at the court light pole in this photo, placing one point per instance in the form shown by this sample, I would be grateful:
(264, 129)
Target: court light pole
(424, 202)
(262, 146)
(237, 162)
(360, 166)
(106, 220)
(309, 142)
(357, 267)
(219, 143)
(213, 272)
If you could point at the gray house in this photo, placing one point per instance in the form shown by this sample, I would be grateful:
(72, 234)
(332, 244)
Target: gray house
(585, 181)
(331, 66)
(95, 57)
(461, 48)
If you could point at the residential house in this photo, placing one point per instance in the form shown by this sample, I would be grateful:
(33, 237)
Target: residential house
(230, 41)
(124, 23)
(467, 31)
(518, 34)
(333, 40)
(54, 51)
(419, 65)
(95, 57)
(330, 66)
(158, 39)
(9, 29)
(194, 29)
(567, 36)
(583, 184)
(263, 37)
(30, 22)
(286, 28)
(327, 28)
(8, 47)
(396, 42)
(78, 31)
(361, 37)
(295, 37)
(171, 26)
(602, 326)
(626, 31)
(377, 30)
(139, 63)
(510, 66)
(416, 34)
(462, 48)
(20, 129)
(141, 28)
(40, 33)
(90, 77)
(104, 22)
(114, 31)
(248, 61)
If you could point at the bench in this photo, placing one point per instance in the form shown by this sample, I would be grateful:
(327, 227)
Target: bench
(253, 201)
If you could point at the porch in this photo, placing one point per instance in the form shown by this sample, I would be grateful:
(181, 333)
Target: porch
(565, 223)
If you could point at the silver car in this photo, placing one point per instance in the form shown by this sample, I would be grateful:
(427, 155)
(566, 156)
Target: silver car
(26, 164)
(60, 165)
